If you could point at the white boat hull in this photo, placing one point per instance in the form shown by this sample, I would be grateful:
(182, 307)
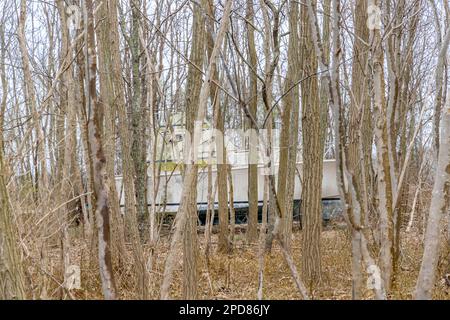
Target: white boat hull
(171, 186)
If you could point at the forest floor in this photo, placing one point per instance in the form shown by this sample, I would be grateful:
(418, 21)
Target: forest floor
(235, 275)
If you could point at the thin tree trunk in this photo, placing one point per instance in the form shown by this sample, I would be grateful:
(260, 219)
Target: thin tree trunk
(441, 191)
(289, 135)
(252, 221)
(360, 105)
(231, 206)
(262, 236)
(383, 163)
(102, 211)
(313, 150)
(68, 100)
(138, 114)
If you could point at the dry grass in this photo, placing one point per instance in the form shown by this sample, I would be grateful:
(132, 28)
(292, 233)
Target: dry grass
(235, 276)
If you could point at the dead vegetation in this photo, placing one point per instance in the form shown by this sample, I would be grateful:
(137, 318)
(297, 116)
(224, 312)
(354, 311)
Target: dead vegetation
(235, 276)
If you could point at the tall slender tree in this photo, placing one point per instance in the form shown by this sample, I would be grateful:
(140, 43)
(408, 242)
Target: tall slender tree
(313, 150)
(102, 210)
(252, 224)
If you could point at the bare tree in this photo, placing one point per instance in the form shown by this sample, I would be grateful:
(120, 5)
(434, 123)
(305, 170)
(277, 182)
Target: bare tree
(439, 200)
(252, 224)
(313, 149)
(289, 131)
(102, 211)
(358, 113)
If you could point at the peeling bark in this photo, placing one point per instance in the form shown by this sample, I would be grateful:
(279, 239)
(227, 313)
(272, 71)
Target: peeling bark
(102, 210)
